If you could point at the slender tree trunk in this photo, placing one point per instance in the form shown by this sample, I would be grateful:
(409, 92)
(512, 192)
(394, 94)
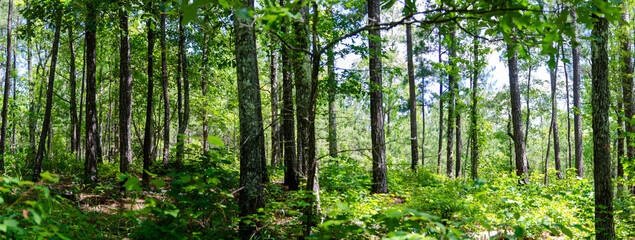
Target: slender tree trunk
(423, 123)
(276, 143)
(73, 86)
(626, 70)
(439, 151)
(204, 63)
(554, 120)
(7, 87)
(604, 223)
(149, 129)
(412, 100)
(620, 140)
(288, 128)
(379, 184)
(125, 94)
(166, 93)
(566, 84)
(251, 196)
(577, 103)
(332, 134)
(92, 135)
(474, 130)
(519, 143)
(46, 124)
(459, 145)
(184, 100)
(546, 177)
(452, 90)
(528, 109)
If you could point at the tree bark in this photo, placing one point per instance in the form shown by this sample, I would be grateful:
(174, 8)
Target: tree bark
(620, 140)
(554, 121)
(149, 129)
(566, 84)
(519, 143)
(7, 87)
(204, 63)
(474, 129)
(439, 151)
(125, 94)
(276, 143)
(184, 114)
(92, 135)
(577, 103)
(604, 224)
(46, 124)
(528, 109)
(302, 87)
(73, 85)
(379, 184)
(626, 70)
(251, 197)
(414, 150)
(452, 90)
(546, 177)
(288, 124)
(166, 93)
(332, 134)
(459, 145)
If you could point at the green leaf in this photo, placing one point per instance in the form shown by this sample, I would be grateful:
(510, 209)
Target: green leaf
(47, 176)
(173, 213)
(158, 182)
(36, 217)
(133, 184)
(388, 4)
(7, 223)
(216, 141)
(565, 230)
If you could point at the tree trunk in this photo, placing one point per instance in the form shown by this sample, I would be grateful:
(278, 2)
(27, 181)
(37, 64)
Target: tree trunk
(251, 196)
(166, 93)
(452, 90)
(604, 224)
(276, 144)
(459, 145)
(577, 103)
(46, 124)
(554, 121)
(204, 66)
(302, 88)
(528, 109)
(184, 113)
(546, 177)
(566, 84)
(620, 140)
(332, 134)
(92, 135)
(149, 129)
(412, 100)
(626, 71)
(288, 128)
(440, 111)
(379, 184)
(7, 87)
(73, 86)
(125, 94)
(423, 123)
(474, 129)
(519, 143)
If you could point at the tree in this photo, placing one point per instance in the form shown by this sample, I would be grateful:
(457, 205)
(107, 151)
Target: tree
(46, 124)
(204, 62)
(604, 225)
(276, 143)
(75, 128)
(626, 71)
(125, 92)
(452, 90)
(251, 196)
(577, 119)
(440, 111)
(149, 129)
(474, 127)
(554, 121)
(166, 93)
(302, 85)
(519, 143)
(288, 128)
(332, 83)
(379, 184)
(183, 96)
(412, 102)
(92, 135)
(7, 88)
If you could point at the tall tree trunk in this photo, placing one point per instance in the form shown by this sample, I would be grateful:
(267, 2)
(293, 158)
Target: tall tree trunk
(546, 177)
(620, 140)
(302, 81)
(626, 70)
(554, 121)
(412, 100)
(149, 129)
(7, 87)
(528, 109)
(577, 103)
(73, 86)
(459, 145)
(92, 135)
(288, 128)
(251, 197)
(566, 84)
(604, 223)
(439, 151)
(184, 111)
(46, 124)
(125, 94)
(204, 63)
(166, 93)
(423, 123)
(332, 134)
(519, 143)
(276, 143)
(379, 184)
(474, 128)
(452, 90)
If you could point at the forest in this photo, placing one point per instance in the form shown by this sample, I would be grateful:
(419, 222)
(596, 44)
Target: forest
(317, 119)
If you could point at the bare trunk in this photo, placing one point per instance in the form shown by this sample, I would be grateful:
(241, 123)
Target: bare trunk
(276, 143)
(92, 135)
(452, 90)
(577, 103)
(149, 129)
(379, 184)
(7, 87)
(412, 100)
(166, 94)
(288, 128)
(519, 143)
(554, 121)
(474, 129)
(440, 141)
(125, 94)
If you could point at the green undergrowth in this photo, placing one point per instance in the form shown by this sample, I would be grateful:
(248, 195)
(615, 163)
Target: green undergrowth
(199, 202)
